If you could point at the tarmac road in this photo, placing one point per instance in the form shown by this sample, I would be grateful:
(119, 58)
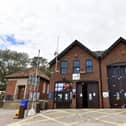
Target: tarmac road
(75, 117)
(6, 116)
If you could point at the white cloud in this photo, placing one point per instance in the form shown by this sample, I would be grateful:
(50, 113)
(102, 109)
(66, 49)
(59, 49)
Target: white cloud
(96, 23)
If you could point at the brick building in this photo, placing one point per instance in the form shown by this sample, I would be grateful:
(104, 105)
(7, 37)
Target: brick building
(18, 86)
(82, 78)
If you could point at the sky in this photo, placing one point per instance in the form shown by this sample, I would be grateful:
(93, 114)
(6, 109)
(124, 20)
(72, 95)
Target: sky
(30, 25)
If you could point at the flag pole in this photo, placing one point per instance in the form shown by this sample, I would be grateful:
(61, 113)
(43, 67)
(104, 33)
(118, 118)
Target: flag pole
(32, 110)
(56, 53)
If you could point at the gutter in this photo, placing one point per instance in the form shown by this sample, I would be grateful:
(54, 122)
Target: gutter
(100, 77)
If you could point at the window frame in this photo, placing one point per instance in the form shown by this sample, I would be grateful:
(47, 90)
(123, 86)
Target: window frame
(63, 69)
(89, 67)
(76, 66)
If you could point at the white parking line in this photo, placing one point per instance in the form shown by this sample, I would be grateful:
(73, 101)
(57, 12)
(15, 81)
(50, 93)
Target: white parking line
(78, 113)
(57, 121)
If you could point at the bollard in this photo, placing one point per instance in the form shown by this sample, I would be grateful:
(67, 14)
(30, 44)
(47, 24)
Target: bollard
(37, 107)
(21, 112)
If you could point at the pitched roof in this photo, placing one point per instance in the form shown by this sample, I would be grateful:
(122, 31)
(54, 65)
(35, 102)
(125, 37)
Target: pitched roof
(75, 43)
(25, 73)
(96, 54)
(120, 40)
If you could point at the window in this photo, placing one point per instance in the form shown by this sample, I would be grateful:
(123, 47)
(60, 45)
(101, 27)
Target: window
(44, 87)
(76, 66)
(59, 87)
(123, 71)
(63, 91)
(48, 89)
(89, 66)
(115, 71)
(63, 67)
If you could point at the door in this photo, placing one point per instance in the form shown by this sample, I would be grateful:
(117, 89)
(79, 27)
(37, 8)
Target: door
(79, 96)
(21, 90)
(93, 96)
(117, 86)
(87, 95)
(63, 99)
(63, 95)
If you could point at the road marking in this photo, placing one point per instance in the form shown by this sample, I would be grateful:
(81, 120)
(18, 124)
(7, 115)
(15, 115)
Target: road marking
(107, 115)
(22, 121)
(109, 122)
(78, 113)
(57, 121)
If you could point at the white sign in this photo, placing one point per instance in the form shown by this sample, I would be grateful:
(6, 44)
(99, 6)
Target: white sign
(74, 90)
(76, 76)
(105, 94)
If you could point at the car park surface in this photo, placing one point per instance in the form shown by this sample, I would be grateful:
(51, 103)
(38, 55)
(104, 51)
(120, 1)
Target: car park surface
(75, 117)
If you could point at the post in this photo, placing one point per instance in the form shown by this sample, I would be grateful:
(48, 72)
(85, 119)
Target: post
(33, 108)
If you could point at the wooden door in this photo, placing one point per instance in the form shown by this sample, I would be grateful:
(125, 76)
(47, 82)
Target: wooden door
(79, 96)
(21, 90)
(117, 86)
(93, 95)
(87, 95)
(123, 85)
(63, 99)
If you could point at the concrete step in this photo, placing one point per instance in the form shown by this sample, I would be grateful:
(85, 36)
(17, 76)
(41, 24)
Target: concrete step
(11, 104)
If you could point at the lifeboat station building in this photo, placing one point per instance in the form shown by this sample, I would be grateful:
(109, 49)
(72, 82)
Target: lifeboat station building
(81, 78)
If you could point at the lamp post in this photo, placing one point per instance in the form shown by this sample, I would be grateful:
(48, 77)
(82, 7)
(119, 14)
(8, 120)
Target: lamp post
(34, 82)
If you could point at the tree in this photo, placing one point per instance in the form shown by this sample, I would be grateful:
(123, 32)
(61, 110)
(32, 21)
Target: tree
(41, 63)
(10, 62)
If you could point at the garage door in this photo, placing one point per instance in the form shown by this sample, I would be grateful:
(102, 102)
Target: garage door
(117, 86)
(87, 95)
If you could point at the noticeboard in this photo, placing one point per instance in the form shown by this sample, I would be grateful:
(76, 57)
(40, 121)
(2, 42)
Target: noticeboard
(76, 76)
(105, 94)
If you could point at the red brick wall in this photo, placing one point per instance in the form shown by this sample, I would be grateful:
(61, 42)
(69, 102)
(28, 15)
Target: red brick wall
(40, 89)
(10, 87)
(43, 95)
(118, 54)
(73, 54)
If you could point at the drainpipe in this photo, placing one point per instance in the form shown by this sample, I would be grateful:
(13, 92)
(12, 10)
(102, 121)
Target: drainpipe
(15, 91)
(100, 77)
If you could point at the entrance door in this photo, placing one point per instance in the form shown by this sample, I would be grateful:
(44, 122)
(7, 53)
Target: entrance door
(87, 95)
(92, 91)
(79, 95)
(21, 90)
(63, 99)
(117, 86)
(63, 95)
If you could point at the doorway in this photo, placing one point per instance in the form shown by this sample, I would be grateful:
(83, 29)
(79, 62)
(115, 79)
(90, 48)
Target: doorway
(87, 95)
(21, 90)
(117, 85)
(63, 95)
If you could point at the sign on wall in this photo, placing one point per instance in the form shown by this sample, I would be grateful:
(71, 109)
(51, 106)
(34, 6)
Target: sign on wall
(76, 76)
(50, 95)
(105, 94)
